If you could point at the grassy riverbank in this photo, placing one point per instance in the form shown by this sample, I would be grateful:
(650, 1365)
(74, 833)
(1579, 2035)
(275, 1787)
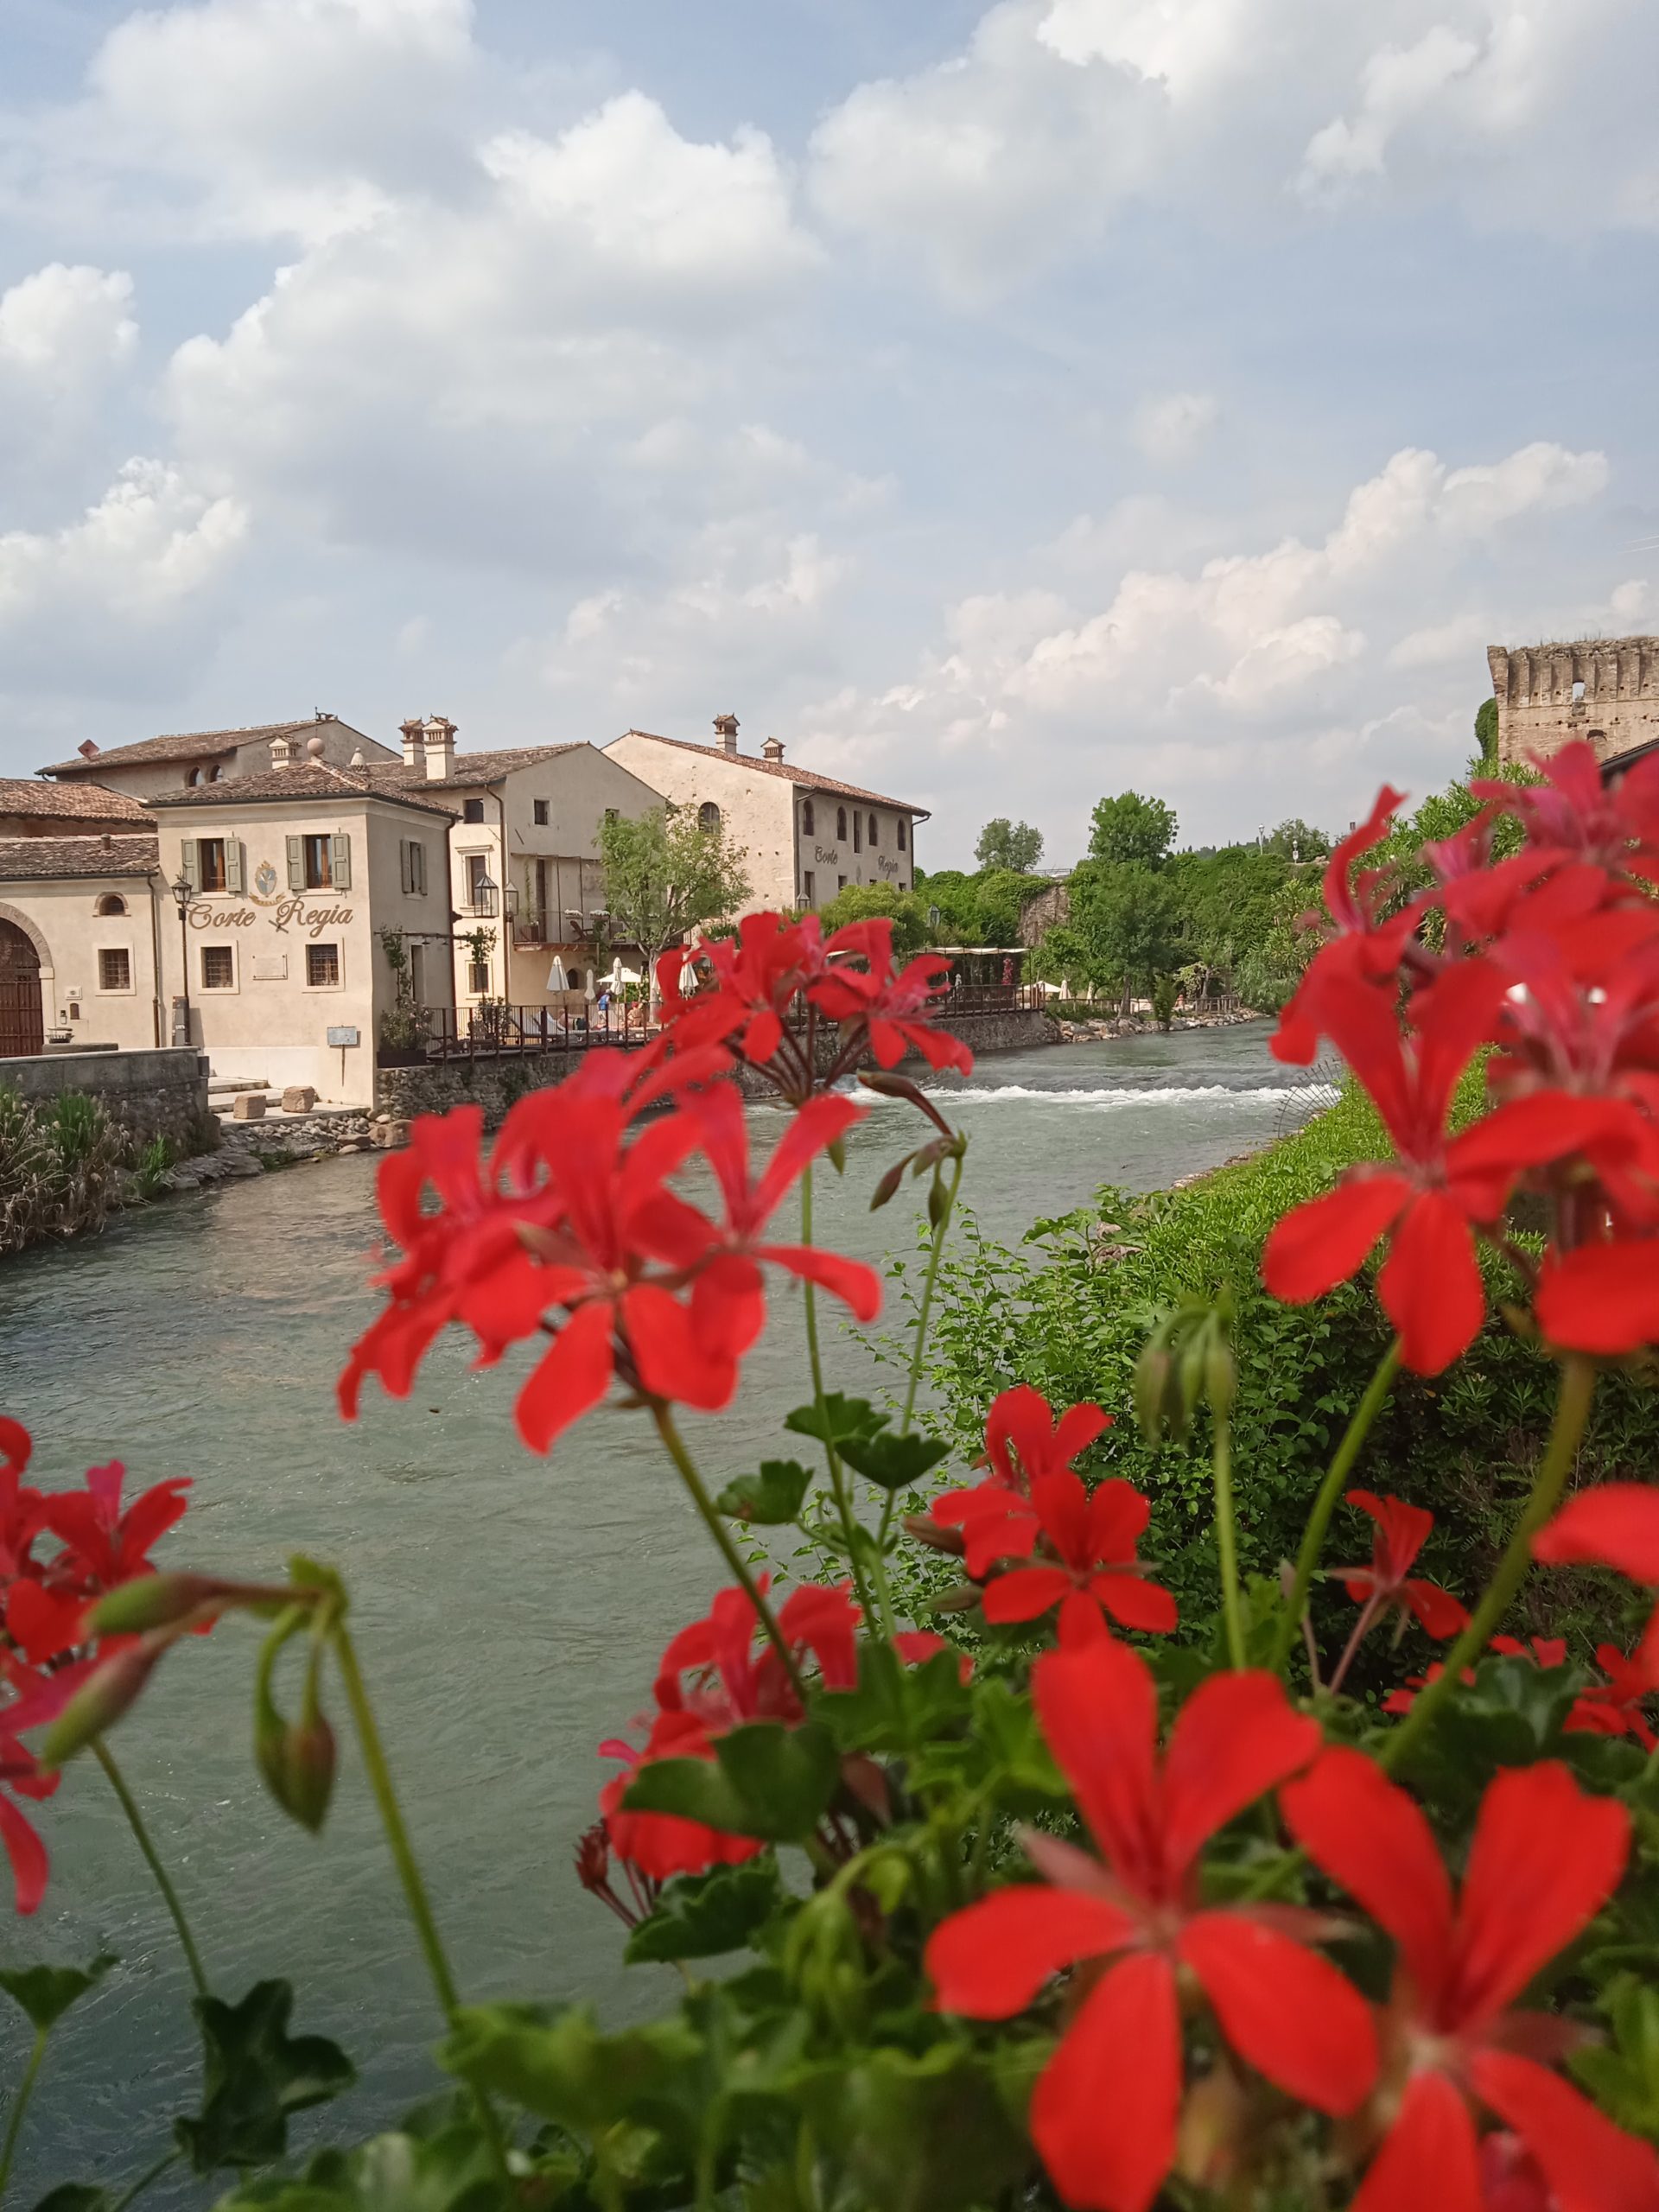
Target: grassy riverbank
(1067, 1310)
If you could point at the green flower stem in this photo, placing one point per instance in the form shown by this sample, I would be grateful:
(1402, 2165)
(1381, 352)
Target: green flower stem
(1325, 1504)
(402, 1857)
(924, 1310)
(1227, 1537)
(152, 1858)
(1572, 1412)
(849, 1526)
(150, 2173)
(674, 1444)
(20, 2106)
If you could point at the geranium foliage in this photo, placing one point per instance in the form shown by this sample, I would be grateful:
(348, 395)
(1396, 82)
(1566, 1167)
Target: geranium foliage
(1055, 1892)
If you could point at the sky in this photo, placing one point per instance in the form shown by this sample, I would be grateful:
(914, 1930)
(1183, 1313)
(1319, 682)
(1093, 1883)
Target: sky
(1001, 406)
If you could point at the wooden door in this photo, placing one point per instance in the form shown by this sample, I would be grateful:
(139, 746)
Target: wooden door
(21, 1027)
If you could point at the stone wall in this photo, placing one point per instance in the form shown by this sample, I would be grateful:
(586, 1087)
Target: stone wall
(1602, 690)
(496, 1084)
(157, 1093)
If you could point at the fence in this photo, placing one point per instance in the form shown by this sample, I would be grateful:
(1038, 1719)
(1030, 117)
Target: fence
(494, 1030)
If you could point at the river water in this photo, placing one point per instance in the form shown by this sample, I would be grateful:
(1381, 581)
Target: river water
(508, 1610)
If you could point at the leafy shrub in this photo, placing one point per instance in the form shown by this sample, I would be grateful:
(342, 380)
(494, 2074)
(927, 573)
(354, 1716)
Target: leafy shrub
(61, 1166)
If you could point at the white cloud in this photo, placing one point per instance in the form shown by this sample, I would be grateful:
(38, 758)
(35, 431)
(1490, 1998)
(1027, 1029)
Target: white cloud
(152, 540)
(1396, 86)
(66, 326)
(1175, 428)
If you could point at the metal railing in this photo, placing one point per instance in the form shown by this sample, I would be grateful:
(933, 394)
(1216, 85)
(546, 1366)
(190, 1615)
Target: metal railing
(495, 1030)
(988, 998)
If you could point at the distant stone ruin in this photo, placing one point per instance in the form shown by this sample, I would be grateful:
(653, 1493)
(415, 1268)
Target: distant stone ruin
(1604, 690)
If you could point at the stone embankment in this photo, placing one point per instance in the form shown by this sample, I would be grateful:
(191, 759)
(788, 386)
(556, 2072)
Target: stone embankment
(1142, 1025)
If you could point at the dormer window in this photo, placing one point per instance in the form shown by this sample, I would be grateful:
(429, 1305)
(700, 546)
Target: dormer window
(112, 903)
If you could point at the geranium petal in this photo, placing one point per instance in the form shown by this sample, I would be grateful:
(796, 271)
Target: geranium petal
(1430, 1285)
(1024, 1592)
(1546, 1858)
(1097, 1708)
(29, 1866)
(857, 1286)
(1132, 1602)
(991, 1959)
(1615, 1525)
(569, 1380)
(1601, 1298)
(1102, 2116)
(1237, 1736)
(1589, 2165)
(1369, 1836)
(1322, 1243)
(1428, 2158)
(1285, 2009)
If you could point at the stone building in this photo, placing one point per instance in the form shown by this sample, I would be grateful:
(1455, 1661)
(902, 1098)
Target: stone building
(81, 929)
(1602, 690)
(157, 764)
(30, 808)
(526, 881)
(806, 836)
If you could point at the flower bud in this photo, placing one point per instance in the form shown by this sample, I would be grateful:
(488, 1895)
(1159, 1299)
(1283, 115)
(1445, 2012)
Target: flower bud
(155, 1601)
(99, 1702)
(1157, 1403)
(935, 1535)
(593, 1857)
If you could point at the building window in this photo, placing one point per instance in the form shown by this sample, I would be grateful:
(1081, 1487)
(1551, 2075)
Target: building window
(539, 809)
(901, 833)
(480, 886)
(613, 814)
(810, 888)
(211, 863)
(412, 856)
(841, 884)
(1578, 693)
(318, 874)
(114, 967)
(808, 827)
(873, 834)
(218, 968)
(858, 826)
(841, 822)
(478, 978)
(472, 810)
(322, 967)
(112, 903)
(708, 815)
(573, 980)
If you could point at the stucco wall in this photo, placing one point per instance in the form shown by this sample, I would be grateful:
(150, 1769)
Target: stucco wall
(150, 1093)
(757, 809)
(67, 932)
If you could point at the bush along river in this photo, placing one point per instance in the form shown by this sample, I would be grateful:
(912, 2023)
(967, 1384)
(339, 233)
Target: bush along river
(501, 1603)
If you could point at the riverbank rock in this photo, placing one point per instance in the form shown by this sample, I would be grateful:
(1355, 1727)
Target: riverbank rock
(299, 1098)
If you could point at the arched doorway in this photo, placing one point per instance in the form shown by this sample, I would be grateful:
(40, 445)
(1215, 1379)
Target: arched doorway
(22, 1027)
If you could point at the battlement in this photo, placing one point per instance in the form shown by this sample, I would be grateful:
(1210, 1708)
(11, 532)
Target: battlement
(1602, 690)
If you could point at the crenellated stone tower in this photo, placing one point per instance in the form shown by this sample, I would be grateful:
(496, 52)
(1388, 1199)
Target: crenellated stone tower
(1605, 690)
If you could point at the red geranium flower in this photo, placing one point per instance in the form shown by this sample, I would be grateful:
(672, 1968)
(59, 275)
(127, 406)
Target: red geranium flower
(1601, 1298)
(1573, 817)
(1437, 1185)
(105, 1547)
(1615, 1525)
(1090, 1568)
(1023, 1443)
(1546, 1857)
(1613, 1707)
(893, 1006)
(1401, 1532)
(716, 1674)
(22, 1777)
(757, 975)
(1103, 2115)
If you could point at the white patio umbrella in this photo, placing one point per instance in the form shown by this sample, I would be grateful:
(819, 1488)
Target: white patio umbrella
(555, 981)
(616, 973)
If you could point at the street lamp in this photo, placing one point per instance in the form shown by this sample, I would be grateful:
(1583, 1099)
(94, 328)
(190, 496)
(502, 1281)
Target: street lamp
(182, 890)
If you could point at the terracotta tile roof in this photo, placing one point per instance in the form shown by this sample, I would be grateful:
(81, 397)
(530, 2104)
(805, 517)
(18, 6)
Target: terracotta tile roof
(40, 859)
(487, 767)
(786, 769)
(315, 780)
(189, 744)
(68, 802)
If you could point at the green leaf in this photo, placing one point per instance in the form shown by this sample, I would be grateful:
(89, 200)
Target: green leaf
(450, 2172)
(701, 1915)
(837, 1419)
(1623, 2076)
(765, 1780)
(894, 1462)
(255, 2076)
(770, 1498)
(895, 1707)
(557, 2064)
(77, 2196)
(918, 2132)
(47, 1993)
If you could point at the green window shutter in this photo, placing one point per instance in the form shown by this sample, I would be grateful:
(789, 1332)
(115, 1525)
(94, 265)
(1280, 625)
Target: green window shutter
(236, 871)
(190, 863)
(406, 865)
(296, 864)
(417, 869)
(340, 859)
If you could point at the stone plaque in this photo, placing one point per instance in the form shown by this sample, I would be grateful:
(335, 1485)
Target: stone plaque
(270, 968)
(343, 1037)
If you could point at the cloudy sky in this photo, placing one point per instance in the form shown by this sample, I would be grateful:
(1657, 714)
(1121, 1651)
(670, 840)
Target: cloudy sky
(1000, 405)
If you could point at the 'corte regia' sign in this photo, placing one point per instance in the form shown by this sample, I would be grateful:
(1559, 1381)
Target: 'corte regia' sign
(296, 912)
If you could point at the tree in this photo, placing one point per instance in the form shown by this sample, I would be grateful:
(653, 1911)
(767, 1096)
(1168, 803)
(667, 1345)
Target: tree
(1128, 916)
(1138, 831)
(863, 902)
(1013, 845)
(1297, 840)
(665, 875)
(1486, 731)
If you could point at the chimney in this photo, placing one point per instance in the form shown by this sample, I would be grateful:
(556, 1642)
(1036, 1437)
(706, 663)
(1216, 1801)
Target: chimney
(725, 732)
(411, 731)
(87, 750)
(109, 843)
(281, 753)
(438, 736)
(772, 750)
